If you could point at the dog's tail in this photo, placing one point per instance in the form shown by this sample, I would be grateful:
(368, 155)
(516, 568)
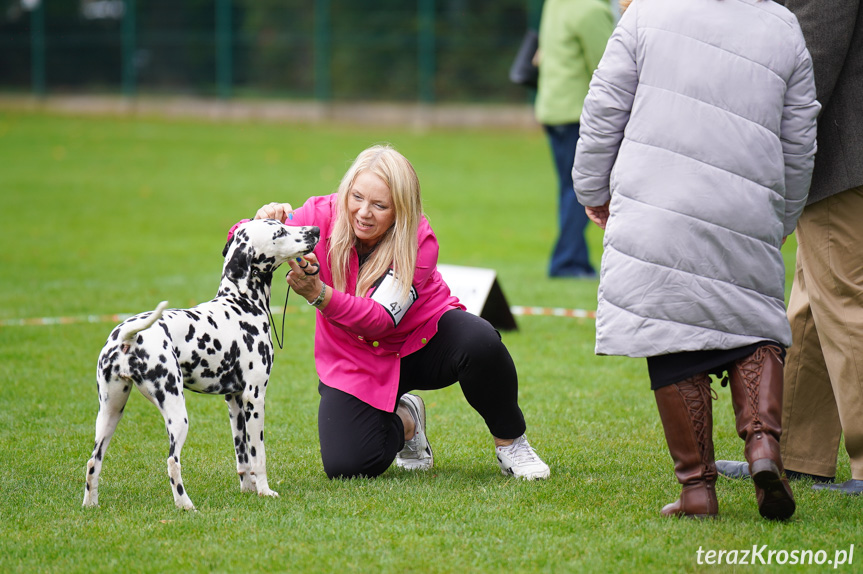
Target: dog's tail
(129, 330)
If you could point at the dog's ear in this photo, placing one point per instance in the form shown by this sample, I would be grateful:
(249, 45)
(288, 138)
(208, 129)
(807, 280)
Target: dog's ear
(237, 267)
(227, 245)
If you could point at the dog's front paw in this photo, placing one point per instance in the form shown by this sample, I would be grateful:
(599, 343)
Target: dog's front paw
(268, 492)
(189, 507)
(90, 500)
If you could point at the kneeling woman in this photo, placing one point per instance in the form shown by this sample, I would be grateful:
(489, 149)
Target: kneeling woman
(387, 324)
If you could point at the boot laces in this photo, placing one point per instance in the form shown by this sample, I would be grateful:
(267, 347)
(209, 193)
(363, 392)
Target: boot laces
(697, 394)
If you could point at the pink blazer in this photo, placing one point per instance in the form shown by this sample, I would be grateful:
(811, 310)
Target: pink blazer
(359, 341)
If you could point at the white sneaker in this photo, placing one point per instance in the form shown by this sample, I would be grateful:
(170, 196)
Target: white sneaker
(521, 461)
(417, 453)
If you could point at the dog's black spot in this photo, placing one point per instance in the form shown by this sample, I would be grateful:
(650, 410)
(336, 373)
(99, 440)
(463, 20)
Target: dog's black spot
(192, 315)
(163, 359)
(171, 384)
(190, 334)
(254, 452)
(249, 328)
(265, 350)
(155, 374)
(217, 344)
(180, 489)
(203, 340)
(212, 322)
(165, 329)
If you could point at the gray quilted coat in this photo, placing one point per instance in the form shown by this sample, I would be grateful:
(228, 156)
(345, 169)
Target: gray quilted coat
(699, 126)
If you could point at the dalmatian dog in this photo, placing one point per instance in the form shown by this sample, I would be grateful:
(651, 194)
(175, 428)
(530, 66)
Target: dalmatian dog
(221, 347)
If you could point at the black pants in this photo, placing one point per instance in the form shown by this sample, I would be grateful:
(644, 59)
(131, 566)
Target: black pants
(360, 440)
(667, 370)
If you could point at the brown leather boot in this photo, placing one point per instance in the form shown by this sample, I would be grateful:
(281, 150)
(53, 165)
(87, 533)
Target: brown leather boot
(686, 411)
(756, 393)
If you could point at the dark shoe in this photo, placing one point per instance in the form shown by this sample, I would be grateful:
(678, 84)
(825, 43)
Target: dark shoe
(686, 411)
(756, 395)
(733, 469)
(853, 487)
(794, 475)
(740, 470)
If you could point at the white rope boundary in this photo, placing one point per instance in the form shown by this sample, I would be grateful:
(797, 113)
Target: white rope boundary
(118, 317)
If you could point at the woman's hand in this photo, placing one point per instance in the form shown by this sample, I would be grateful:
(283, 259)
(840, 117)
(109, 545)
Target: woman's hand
(598, 214)
(304, 279)
(280, 211)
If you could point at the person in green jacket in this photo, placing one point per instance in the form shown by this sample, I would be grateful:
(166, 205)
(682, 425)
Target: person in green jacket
(572, 39)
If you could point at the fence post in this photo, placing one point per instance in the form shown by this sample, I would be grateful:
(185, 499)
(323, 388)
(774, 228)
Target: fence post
(128, 47)
(37, 48)
(323, 83)
(224, 39)
(426, 50)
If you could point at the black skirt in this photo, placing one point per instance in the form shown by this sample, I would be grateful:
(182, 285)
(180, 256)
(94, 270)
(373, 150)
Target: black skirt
(666, 370)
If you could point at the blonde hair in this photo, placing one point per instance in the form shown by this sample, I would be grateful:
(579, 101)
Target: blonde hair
(397, 248)
(624, 4)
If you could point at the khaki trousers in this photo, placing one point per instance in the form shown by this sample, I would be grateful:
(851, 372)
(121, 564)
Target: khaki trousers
(823, 396)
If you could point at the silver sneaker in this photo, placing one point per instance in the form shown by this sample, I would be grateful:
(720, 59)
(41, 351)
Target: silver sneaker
(417, 453)
(521, 461)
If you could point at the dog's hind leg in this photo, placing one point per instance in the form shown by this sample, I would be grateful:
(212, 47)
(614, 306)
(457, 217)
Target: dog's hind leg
(173, 409)
(241, 441)
(113, 395)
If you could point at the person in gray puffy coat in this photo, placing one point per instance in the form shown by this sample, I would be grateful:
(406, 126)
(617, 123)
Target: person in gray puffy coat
(695, 156)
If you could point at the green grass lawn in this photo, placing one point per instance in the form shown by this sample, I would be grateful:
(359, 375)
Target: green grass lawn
(107, 215)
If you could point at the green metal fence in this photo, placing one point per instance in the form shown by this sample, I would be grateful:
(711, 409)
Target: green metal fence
(383, 50)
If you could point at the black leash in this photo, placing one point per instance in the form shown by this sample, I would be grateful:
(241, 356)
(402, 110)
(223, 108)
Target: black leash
(285, 310)
(273, 321)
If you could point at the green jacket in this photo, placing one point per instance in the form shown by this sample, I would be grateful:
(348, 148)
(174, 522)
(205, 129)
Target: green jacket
(572, 39)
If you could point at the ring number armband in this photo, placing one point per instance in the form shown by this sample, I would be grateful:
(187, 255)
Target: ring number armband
(387, 293)
(320, 298)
